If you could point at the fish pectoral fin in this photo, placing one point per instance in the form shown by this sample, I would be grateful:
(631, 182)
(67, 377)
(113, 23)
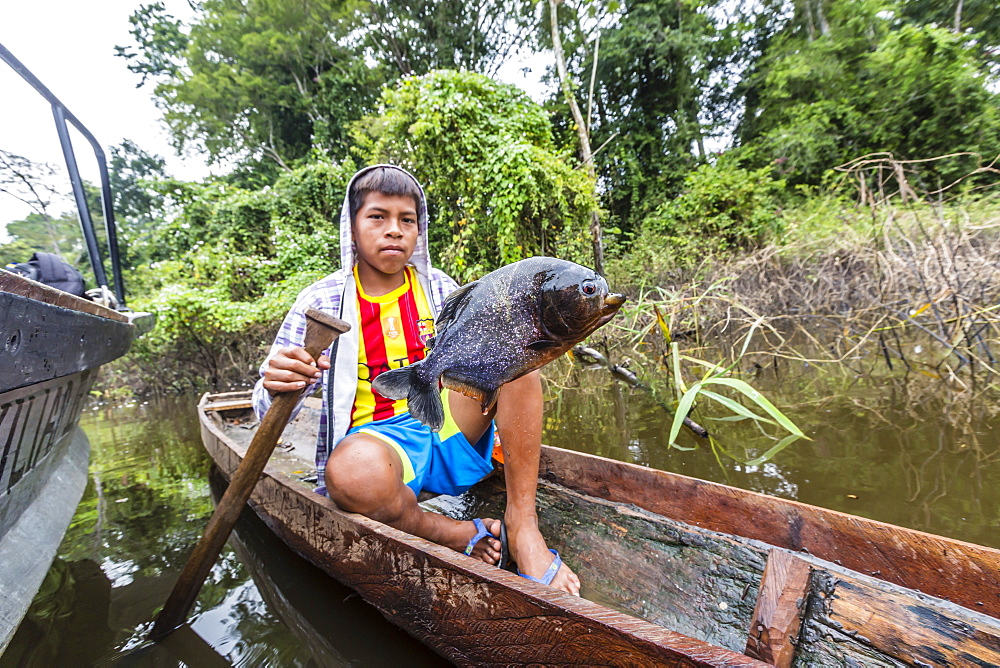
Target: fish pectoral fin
(486, 397)
(543, 344)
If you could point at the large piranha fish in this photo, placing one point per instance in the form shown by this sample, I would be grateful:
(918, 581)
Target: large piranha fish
(494, 330)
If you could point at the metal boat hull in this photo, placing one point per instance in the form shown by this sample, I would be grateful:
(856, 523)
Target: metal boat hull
(51, 346)
(44, 474)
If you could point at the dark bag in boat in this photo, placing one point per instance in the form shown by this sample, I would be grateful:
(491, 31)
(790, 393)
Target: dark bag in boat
(51, 270)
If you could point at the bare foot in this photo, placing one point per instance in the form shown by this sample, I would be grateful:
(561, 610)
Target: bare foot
(533, 558)
(488, 547)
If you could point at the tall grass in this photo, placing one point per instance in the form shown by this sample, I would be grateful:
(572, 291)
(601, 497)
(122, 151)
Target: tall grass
(912, 283)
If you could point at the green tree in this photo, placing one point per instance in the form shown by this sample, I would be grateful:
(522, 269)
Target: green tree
(50, 234)
(498, 188)
(869, 82)
(658, 89)
(161, 40)
(977, 19)
(276, 80)
(259, 78)
(418, 36)
(60, 234)
(137, 205)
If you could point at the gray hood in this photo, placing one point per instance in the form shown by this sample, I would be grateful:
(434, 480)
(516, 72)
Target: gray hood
(420, 260)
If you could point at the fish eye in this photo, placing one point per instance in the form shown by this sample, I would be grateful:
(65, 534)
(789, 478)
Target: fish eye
(588, 288)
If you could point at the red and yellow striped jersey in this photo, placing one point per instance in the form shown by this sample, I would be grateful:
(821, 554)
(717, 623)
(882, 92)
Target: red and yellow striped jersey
(394, 330)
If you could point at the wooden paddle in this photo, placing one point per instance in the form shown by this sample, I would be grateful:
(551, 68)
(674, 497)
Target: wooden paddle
(321, 331)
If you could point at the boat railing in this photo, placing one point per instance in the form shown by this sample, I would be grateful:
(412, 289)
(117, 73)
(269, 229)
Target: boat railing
(63, 117)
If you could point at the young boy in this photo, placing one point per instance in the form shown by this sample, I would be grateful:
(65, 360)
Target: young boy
(376, 458)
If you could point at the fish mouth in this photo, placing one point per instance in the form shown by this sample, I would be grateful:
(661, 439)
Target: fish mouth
(614, 301)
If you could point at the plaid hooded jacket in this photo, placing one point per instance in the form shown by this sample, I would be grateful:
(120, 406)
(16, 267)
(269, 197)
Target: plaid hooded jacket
(336, 294)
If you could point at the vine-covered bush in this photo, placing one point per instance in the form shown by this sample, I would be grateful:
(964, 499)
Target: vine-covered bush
(722, 208)
(240, 257)
(498, 188)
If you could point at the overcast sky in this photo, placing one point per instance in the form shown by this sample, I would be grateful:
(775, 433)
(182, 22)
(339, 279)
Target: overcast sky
(69, 45)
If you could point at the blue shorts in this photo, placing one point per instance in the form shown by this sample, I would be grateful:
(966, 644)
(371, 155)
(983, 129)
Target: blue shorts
(443, 462)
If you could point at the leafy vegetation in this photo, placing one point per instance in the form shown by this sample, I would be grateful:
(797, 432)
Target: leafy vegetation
(274, 80)
(872, 85)
(716, 134)
(721, 208)
(500, 189)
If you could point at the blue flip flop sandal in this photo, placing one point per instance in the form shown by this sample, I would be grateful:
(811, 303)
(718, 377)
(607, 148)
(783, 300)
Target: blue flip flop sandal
(549, 574)
(481, 532)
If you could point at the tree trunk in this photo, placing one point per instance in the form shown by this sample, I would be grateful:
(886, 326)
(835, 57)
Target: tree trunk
(810, 27)
(582, 131)
(824, 25)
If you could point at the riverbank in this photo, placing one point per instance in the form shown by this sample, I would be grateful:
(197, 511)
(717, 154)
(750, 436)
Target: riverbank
(913, 285)
(909, 285)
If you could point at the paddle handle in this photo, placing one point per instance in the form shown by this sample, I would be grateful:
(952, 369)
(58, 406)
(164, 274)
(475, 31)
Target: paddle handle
(321, 331)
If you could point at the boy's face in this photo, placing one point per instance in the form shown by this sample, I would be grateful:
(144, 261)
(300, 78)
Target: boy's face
(385, 233)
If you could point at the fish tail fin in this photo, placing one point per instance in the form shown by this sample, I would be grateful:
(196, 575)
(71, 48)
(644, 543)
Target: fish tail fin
(422, 399)
(424, 402)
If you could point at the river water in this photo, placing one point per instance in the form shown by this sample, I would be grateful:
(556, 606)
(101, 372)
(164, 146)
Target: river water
(901, 449)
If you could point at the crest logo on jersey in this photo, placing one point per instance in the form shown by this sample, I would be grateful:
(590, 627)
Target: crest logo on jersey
(425, 329)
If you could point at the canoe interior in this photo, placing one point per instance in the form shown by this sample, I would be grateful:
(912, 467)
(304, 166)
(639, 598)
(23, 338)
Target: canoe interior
(707, 584)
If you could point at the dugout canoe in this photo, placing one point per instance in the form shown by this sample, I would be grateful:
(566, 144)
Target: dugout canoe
(677, 571)
(335, 626)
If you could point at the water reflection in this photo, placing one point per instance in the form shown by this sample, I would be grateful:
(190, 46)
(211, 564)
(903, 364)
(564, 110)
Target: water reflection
(899, 449)
(145, 506)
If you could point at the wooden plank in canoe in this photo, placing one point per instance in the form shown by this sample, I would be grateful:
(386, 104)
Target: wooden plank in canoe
(912, 628)
(228, 405)
(777, 616)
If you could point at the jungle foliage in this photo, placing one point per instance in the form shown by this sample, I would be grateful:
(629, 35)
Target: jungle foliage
(709, 122)
(498, 187)
(798, 87)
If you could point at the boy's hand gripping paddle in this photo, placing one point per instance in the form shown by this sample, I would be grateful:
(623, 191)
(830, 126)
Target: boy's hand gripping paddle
(321, 331)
